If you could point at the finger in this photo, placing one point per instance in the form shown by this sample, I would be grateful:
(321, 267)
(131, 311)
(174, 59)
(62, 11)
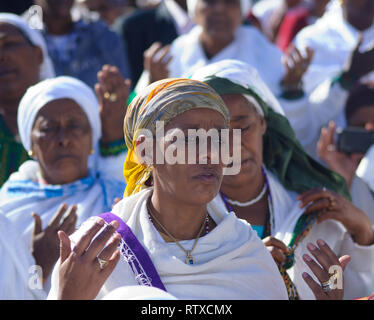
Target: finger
(99, 93)
(111, 264)
(326, 250)
(271, 241)
(99, 243)
(315, 195)
(55, 221)
(69, 222)
(37, 224)
(162, 54)
(152, 50)
(318, 205)
(65, 246)
(277, 255)
(321, 274)
(322, 258)
(86, 239)
(314, 286)
(344, 260)
(110, 248)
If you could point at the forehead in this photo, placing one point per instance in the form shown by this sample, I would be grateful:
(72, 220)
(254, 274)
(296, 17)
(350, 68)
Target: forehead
(238, 106)
(61, 108)
(363, 115)
(7, 29)
(198, 118)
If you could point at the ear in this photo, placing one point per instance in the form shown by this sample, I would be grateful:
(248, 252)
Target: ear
(263, 125)
(39, 55)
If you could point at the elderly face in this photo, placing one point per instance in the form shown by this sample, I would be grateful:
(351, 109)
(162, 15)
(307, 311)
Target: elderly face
(61, 141)
(19, 63)
(194, 184)
(218, 18)
(359, 13)
(244, 116)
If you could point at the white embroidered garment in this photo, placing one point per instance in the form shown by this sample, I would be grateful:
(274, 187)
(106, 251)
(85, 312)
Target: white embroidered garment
(359, 274)
(333, 39)
(16, 266)
(231, 261)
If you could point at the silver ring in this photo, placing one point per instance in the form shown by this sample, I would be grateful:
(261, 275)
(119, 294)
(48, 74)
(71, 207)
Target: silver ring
(326, 286)
(102, 263)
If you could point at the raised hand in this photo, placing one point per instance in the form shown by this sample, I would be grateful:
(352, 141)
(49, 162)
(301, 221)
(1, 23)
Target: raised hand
(329, 271)
(342, 163)
(112, 91)
(45, 243)
(84, 269)
(296, 65)
(156, 61)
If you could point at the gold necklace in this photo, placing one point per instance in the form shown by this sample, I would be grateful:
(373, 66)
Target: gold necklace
(189, 258)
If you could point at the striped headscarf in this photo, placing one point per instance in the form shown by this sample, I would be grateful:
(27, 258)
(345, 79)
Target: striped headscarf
(162, 101)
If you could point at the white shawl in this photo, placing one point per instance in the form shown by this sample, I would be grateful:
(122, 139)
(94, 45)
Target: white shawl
(16, 272)
(249, 46)
(359, 274)
(232, 262)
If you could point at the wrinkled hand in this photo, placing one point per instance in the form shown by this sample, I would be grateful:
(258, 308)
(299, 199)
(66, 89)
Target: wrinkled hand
(360, 63)
(323, 270)
(277, 249)
(296, 65)
(45, 243)
(331, 205)
(113, 92)
(342, 163)
(156, 61)
(80, 275)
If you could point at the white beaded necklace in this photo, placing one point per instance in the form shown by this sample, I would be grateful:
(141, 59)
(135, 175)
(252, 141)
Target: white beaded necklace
(250, 202)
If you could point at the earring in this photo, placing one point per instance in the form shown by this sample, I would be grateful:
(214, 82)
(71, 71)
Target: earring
(92, 151)
(31, 153)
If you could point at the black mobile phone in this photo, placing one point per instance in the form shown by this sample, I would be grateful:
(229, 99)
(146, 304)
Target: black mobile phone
(354, 140)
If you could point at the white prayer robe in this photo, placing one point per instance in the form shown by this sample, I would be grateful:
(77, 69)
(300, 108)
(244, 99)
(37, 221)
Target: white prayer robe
(231, 261)
(249, 46)
(17, 274)
(358, 275)
(333, 39)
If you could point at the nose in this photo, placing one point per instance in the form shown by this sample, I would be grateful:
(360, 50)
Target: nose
(63, 137)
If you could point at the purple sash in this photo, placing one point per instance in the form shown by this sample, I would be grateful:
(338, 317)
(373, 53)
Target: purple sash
(137, 257)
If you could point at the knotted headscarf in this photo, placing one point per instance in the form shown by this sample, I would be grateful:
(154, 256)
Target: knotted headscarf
(162, 101)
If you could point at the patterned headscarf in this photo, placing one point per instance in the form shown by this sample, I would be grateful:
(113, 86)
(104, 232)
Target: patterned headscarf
(162, 101)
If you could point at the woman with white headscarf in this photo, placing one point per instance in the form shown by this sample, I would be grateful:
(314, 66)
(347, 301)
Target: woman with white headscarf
(59, 124)
(24, 61)
(289, 199)
(219, 35)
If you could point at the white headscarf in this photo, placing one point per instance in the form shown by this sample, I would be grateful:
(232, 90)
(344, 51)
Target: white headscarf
(37, 96)
(244, 75)
(35, 37)
(245, 6)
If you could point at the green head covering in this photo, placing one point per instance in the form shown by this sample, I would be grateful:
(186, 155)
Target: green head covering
(282, 153)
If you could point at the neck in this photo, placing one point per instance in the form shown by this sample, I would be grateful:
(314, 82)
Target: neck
(58, 26)
(245, 191)
(212, 47)
(181, 220)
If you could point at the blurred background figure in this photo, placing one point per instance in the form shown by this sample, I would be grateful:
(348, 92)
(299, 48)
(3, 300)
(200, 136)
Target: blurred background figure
(80, 48)
(16, 7)
(148, 26)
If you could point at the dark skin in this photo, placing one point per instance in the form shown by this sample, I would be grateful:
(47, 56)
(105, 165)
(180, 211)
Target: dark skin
(182, 191)
(359, 13)
(61, 141)
(248, 184)
(56, 15)
(19, 69)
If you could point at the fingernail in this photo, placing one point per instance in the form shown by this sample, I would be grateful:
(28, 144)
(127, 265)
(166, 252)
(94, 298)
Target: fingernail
(307, 258)
(311, 246)
(320, 242)
(115, 224)
(100, 221)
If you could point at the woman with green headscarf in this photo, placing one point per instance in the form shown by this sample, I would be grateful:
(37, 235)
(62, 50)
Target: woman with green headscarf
(288, 198)
(173, 238)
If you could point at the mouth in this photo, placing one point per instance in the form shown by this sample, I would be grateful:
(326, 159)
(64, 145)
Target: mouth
(208, 176)
(4, 72)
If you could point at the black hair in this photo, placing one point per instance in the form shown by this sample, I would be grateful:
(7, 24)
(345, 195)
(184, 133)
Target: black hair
(360, 96)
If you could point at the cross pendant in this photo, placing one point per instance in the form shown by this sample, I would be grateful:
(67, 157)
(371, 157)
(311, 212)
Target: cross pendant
(189, 258)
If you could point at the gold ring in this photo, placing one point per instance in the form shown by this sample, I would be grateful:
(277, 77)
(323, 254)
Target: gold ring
(110, 96)
(102, 263)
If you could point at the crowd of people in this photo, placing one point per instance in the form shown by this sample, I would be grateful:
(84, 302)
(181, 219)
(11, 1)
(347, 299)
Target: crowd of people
(90, 208)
